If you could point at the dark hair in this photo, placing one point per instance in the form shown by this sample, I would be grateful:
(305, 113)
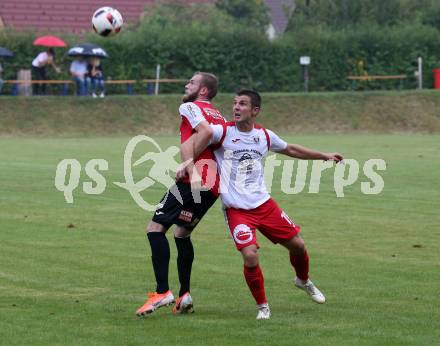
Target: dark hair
(51, 51)
(210, 81)
(253, 95)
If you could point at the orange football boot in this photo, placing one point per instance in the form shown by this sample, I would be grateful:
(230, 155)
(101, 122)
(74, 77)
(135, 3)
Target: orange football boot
(155, 301)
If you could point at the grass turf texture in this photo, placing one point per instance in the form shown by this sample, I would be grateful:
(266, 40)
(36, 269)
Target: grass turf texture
(376, 258)
(337, 112)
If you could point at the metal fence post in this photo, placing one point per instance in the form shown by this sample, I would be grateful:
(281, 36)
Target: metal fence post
(156, 89)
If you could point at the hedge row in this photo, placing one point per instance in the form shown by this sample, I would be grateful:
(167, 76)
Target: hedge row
(242, 57)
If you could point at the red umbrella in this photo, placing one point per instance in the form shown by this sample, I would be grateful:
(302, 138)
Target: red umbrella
(49, 41)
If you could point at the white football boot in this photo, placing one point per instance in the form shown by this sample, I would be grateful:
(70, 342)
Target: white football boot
(311, 290)
(184, 304)
(263, 312)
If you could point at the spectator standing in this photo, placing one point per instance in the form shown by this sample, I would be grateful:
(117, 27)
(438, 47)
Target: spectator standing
(39, 69)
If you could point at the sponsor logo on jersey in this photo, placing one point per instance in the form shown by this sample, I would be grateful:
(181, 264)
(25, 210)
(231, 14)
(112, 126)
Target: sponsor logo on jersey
(213, 113)
(256, 140)
(191, 111)
(242, 234)
(245, 157)
(235, 152)
(246, 164)
(235, 140)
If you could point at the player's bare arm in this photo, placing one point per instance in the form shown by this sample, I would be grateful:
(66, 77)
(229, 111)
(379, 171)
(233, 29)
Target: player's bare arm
(300, 152)
(193, 147)
(198, 142)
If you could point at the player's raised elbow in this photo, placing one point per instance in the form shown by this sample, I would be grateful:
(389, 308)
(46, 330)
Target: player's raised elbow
(289, 151)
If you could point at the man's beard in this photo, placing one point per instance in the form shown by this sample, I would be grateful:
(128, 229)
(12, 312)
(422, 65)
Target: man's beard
(191, 97)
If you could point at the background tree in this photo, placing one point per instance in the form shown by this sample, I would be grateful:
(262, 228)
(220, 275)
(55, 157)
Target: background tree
(253, 13)
(350, 13)
(431, 15)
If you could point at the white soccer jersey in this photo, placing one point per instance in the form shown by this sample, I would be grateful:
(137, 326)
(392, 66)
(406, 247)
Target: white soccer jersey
(239, 159)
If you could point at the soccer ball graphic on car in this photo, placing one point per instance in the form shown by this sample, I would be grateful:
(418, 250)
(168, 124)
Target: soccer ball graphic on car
(107, 21)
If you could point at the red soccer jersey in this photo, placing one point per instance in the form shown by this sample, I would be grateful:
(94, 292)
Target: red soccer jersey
(191, 113)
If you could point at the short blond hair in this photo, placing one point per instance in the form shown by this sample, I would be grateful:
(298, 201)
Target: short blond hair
(210, 81)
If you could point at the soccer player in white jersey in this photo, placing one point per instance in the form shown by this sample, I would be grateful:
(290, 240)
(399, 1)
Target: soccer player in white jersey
(242, 145)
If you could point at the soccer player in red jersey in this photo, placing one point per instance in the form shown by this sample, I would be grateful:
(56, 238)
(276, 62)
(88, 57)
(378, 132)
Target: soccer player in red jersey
(180, 206)
(242, 145)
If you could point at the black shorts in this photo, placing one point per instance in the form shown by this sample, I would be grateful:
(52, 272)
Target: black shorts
(186, 214)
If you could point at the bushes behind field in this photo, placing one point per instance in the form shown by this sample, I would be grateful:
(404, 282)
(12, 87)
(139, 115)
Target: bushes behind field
(187, 39)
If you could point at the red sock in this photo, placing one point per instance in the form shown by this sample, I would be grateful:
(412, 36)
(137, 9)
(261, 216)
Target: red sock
(255, 281)
(301, 265)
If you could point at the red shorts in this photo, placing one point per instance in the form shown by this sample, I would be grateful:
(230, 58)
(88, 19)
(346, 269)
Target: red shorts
(269, 218)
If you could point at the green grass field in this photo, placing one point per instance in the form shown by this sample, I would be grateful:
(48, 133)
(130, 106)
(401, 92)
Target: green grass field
(376, 257)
